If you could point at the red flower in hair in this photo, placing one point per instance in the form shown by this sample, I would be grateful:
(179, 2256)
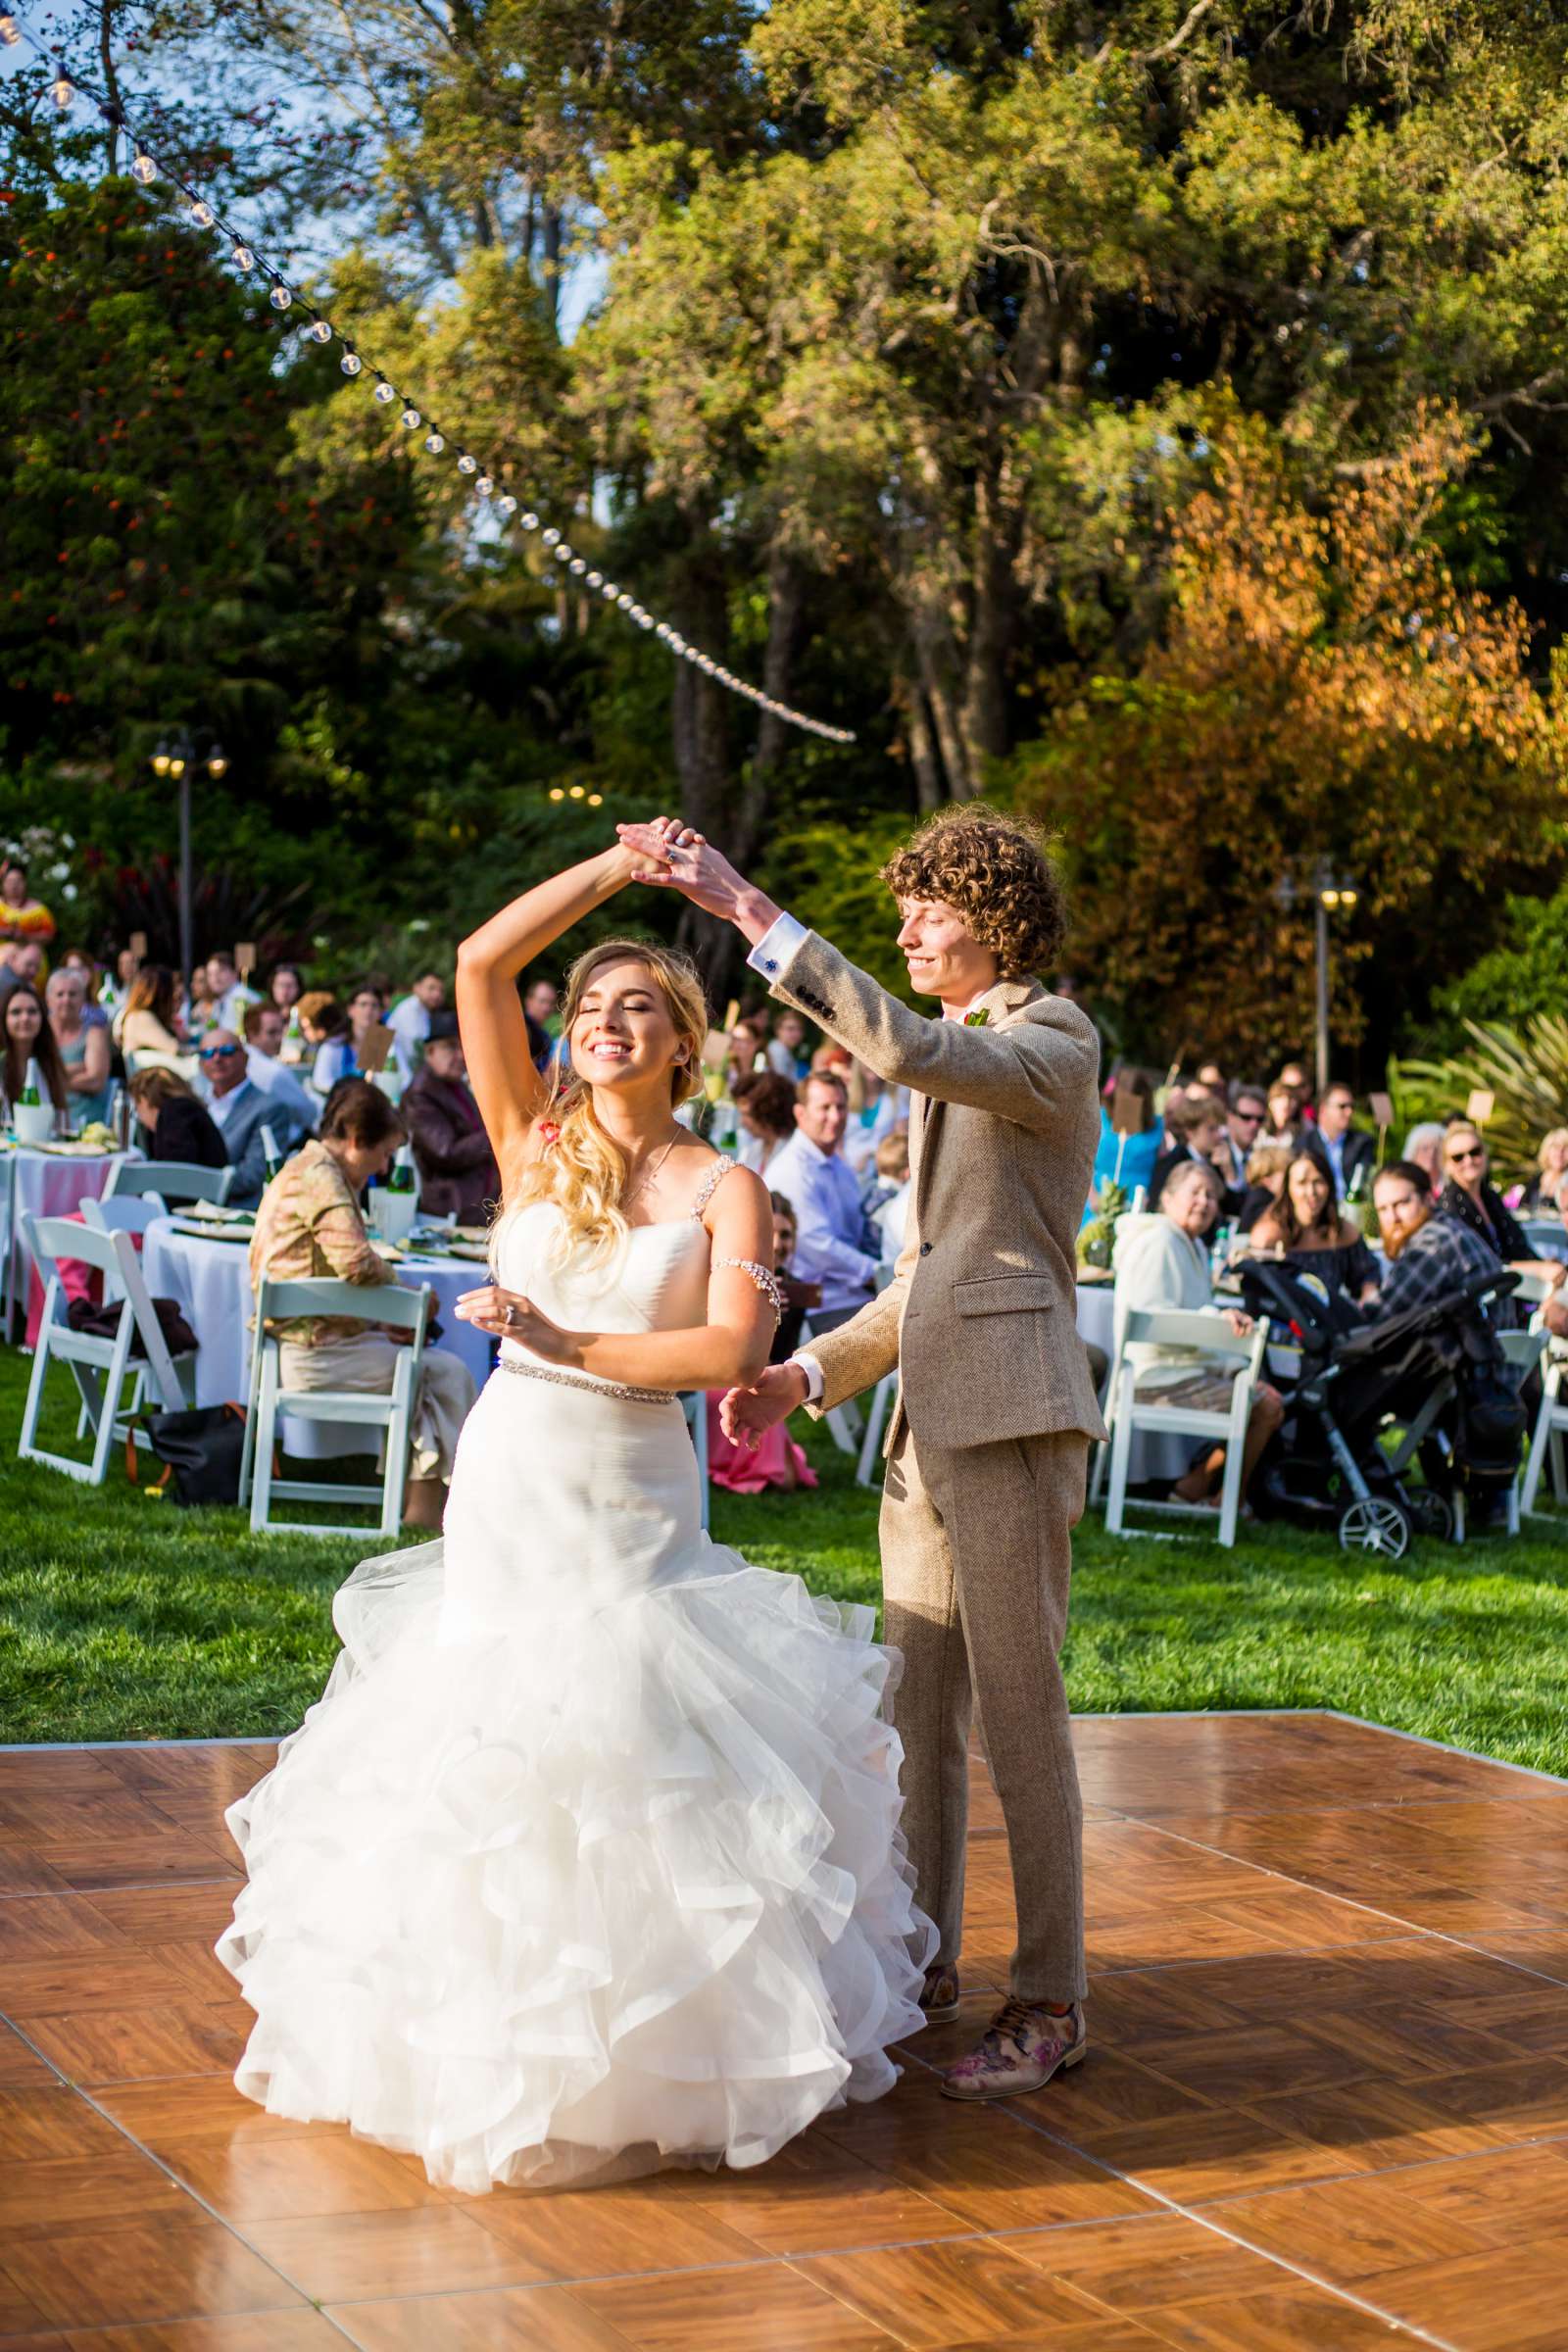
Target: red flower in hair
(549, 1132)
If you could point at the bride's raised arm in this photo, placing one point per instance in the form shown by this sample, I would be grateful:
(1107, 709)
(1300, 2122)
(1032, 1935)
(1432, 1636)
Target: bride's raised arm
(509, 1092)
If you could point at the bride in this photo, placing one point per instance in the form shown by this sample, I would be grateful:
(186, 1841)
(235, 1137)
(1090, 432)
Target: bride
(587, 1860)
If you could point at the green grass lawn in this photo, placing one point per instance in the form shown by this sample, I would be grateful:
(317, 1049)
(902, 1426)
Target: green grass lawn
(124, 1618)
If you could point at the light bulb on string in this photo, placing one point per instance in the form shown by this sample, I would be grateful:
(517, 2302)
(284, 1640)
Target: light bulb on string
(201, 212)
(144, 169)
(409, 420)
(384, 392)
(611, 593)
(596, 579)
(468, 464)
(551, 538)
(243, 257)
(280, 298)
(596, 800)
(350, 363)
(555, 792)
(529, 522)
(578, 565)
(62, 92)
(10, 32)
(484, 487)
(507, 503)
(435, 443)
(320, 331)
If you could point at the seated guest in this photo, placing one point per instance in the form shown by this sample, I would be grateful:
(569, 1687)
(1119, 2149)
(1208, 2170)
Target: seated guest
(1162, 1262)
(1196, 1124)
(29, 1038)
(1305, 1227)
(174, 1124)
(1285, 1121)
(1267, 1168)
(1428, 1254)
(786, 1047)
(746, 1052)
(21, 966)
(84, 1044)
(1468, 1196)
(240, 1110)
(774, 1459)
(1245, 1117)
(367, 1012)
(541, 1012)
(1423, 1148)
(1548, 1187)
(228, 995)
(21, 916)
(799, 1298)
(264, 1031)
(284, 989)
(1347, 1154)
(149, 1020)
(324, 1027)
(1126, 1159)
(309, 1228)
(886, 1203)
(458, 1173)
(874, 1113)
(410, 1020)
(765, 1108)
(836, 1247)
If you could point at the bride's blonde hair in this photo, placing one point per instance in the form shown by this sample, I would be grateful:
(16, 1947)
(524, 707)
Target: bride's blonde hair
(581, 1170)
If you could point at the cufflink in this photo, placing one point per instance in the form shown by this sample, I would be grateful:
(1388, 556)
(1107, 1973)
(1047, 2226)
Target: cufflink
(770, 964)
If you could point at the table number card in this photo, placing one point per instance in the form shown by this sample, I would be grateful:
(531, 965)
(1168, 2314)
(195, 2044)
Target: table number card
(245, 958)
(1481, 1105)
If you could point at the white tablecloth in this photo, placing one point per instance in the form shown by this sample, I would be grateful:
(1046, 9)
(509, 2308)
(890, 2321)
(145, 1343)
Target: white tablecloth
(211, 1280)
(45, 1184)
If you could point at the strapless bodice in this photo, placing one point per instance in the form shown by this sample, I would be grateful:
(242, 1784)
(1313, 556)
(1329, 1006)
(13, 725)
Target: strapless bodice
(656, 1280)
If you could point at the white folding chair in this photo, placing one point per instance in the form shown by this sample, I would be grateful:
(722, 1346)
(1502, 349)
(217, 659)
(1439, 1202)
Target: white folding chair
(1107, 1413)
(170, 1179)
(99, 1366)
(272, 1407)
(123, 1212)
(694, 1405)
(1134, 1413)
(1524, 1351)
(1551, 1425)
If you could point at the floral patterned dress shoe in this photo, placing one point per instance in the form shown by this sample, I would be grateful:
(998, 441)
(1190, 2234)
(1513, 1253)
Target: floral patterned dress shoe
(939, 1994)
(1024, 2046)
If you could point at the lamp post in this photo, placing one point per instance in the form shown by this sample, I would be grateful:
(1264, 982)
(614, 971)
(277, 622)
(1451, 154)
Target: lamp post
(1331, 894)
(177, 755)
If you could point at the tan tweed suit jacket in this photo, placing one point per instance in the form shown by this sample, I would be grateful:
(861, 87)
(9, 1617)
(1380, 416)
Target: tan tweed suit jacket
(979, 1320)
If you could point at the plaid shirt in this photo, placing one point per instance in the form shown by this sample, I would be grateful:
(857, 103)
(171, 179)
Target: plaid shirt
(1435, 1261)
(309, 1227)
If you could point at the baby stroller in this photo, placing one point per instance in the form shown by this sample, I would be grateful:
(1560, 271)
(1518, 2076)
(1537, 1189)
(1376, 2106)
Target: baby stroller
(1434, 1375)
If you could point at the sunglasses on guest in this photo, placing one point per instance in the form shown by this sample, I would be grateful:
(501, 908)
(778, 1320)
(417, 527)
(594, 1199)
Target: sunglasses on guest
(219, 1052)
(1467, 1151)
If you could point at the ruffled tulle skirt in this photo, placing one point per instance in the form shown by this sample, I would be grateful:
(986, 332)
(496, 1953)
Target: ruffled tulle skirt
(574, 1886)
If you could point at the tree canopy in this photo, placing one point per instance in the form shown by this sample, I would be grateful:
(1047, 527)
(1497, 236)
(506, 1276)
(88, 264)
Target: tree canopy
(1152, 409)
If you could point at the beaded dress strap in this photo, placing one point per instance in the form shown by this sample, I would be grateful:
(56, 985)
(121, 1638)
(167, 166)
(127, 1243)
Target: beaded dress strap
(710, 1182)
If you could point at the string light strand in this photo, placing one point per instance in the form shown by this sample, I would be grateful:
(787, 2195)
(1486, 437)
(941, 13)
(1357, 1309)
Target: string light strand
(485, 480)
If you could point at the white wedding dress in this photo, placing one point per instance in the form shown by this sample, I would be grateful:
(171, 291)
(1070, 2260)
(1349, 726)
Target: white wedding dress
(587, 1860)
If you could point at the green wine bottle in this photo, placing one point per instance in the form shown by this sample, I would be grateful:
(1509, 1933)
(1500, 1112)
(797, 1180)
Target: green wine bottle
(32, 1089)
(401, 1179)
(271, 1153)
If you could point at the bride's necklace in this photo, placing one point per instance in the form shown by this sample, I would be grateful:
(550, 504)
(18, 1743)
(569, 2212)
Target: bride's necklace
(649, 1173)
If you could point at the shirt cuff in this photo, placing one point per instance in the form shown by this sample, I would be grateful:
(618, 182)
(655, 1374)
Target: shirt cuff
(777, 948)
(814, 1383)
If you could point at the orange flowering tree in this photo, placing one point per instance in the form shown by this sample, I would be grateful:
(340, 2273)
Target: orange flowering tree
(1325, 685)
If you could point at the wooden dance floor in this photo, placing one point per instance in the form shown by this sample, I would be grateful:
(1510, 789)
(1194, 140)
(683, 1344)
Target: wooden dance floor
(1326, 2104)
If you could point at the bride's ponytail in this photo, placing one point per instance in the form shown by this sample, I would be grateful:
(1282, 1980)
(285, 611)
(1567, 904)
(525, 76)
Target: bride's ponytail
(581, 1168)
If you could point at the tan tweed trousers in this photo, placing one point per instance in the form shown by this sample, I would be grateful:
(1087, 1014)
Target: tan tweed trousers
(976, 1569)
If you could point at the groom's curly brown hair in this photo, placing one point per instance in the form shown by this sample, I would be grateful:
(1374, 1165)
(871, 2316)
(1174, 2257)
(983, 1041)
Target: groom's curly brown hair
(995, 871)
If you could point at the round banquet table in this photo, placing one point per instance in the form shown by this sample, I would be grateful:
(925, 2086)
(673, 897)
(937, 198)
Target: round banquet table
(212, 1283)
(43, 1184)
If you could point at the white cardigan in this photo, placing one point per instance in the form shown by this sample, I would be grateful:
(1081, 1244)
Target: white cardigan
(1157, 1267)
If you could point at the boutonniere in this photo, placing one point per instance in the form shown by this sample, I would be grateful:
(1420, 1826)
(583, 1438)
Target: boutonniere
(978, 1018)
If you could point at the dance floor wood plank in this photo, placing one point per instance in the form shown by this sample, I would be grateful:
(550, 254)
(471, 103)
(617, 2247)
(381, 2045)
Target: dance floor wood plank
(1326, 2103)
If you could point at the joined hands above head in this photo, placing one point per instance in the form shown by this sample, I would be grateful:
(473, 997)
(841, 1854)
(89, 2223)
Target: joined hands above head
(672, 856)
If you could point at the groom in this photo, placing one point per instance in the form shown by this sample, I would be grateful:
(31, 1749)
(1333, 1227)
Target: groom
(989, 1441)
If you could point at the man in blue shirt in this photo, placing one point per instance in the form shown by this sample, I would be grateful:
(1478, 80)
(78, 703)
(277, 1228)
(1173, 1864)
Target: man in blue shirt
(835, 1245)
